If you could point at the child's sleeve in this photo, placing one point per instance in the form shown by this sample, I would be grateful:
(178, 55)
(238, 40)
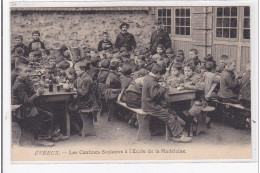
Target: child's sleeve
(85, 87)
(100, 46)
(230, 82)
(156, 91)
(133, 43)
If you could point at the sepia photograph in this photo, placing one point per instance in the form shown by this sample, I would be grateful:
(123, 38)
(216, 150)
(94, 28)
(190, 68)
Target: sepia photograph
(136, 83)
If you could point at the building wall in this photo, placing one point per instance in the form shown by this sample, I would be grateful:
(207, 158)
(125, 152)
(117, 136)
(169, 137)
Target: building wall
(80, 28)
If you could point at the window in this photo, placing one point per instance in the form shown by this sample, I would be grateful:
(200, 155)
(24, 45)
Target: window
(164, 15)
(182, 21)
(246, 23)
(226, 22)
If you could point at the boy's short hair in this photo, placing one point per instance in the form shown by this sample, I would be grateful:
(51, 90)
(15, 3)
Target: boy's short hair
(142, 72)
(45, 51)
(117, 56)
(177, 66)
(179, 58)
(158, 69)
(194, 51)
(19, 37)
(161, 46)
(36, 32)
(127, 69)
(180, 52)
(224, 57)
(122, 49)
(209, 57)
(125, 54)
(115, 50)
(169, 51)
(94, 60)
(190, 65)
(105, 33)
(105, 63)
(113, 65)
(83, 65)
(229, 61)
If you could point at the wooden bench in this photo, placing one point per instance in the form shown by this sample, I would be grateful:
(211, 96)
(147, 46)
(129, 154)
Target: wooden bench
(143, 121)
(247, 111)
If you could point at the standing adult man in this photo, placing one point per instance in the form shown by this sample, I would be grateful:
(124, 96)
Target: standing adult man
(125, 39)
(160, 36)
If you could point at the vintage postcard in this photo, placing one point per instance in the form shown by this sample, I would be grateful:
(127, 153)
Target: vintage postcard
(133, 83)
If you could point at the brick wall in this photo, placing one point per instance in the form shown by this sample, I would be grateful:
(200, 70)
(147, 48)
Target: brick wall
(80, 28)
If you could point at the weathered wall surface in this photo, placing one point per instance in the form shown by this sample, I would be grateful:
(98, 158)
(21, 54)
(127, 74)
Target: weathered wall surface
(78, 29)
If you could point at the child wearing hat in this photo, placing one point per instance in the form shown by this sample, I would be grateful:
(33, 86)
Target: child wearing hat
(102, 76)
(19, 43)
(36, 44)
(105, 43)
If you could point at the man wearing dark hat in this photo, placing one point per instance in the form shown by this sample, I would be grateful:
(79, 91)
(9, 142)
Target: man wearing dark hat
(160, 36)
(125, 39)
(153, 96)
(36, 44)
(19, 43)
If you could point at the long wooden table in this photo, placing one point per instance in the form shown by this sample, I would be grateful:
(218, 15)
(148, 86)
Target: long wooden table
(60, 96)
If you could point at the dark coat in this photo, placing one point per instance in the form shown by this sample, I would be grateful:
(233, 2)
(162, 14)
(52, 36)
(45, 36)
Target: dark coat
(245, 87)
(85, 93)
(23, 93)
(113, 80)
(102, 77)
(23, 46)
(102, 45)
(228, 85)
(93, 72)
(126, 40)
(152, 94)
(196, 61)
(125, 81)
(161, 37)
(36, 45)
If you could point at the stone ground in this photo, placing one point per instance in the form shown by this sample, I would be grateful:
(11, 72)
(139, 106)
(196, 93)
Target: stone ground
(222, 142)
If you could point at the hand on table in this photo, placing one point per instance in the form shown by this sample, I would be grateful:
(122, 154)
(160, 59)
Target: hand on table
(40, 91)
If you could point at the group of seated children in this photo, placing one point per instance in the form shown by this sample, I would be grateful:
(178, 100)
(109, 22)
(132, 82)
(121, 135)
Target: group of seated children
(100, 76)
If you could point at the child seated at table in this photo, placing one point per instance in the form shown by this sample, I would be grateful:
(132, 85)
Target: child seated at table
(193, 57)
(175, 76)
(102, 77)
(105, 43)
(152, 96)
(85, 98)
(228, 83)
(211, 80)
(245, 88)
(190, 78)
(36, 44)
(32, 116)
(113, 85)
(51, 69)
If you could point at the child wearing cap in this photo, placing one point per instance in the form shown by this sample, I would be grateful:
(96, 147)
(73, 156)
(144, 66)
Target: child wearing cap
(36, 44)
(105, 43)
(20, 44)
